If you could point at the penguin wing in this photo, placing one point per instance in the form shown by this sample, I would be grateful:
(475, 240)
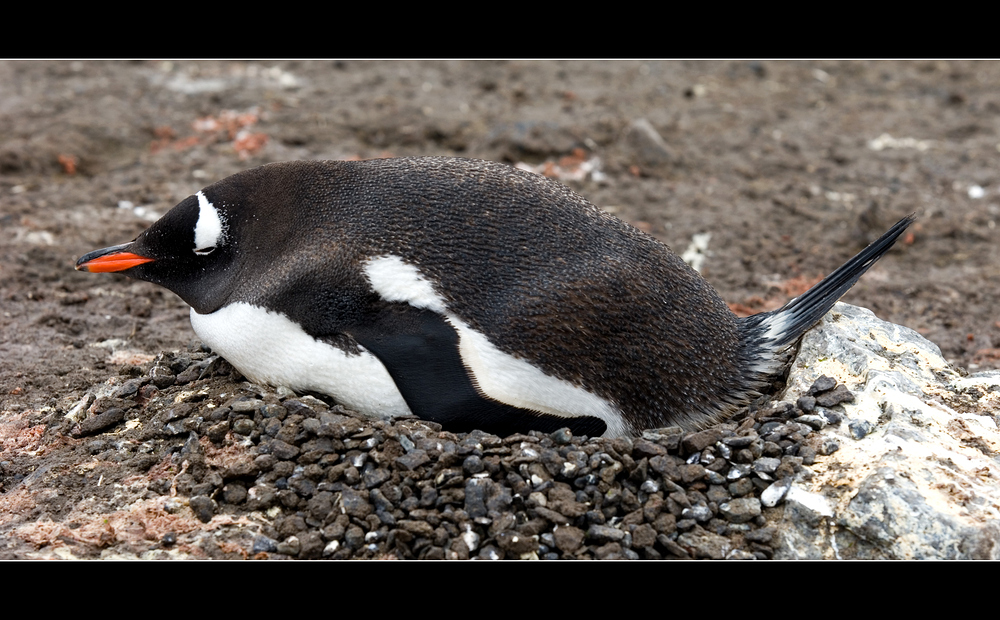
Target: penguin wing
(420, 350)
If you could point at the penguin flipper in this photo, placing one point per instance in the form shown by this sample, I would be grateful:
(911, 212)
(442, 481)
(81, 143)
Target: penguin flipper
(419, 349)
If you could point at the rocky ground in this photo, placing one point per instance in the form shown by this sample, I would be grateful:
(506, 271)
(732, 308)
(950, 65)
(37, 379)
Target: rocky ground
(184, 448)
(122, 437)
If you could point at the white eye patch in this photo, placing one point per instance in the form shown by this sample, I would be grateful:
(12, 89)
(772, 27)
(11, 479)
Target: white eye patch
(210, 231)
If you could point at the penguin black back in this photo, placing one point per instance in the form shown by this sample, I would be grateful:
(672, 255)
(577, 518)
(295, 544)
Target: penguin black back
(493, 298)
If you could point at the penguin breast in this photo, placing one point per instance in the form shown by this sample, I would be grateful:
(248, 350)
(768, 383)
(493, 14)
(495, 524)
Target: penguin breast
(271, 349)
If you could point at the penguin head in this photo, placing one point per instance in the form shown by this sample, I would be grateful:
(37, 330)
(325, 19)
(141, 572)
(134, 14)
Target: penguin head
(191, 251)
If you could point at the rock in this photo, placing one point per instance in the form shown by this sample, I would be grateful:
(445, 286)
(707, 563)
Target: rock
(773, 494)
(647, 148)
(915, 474)
(822, 384)
(203, 507)
(603, 534)
(838, 395)
(101, 421)
(696, 442)
(740, 510)
(263, 544)
(702, 544)
(859, 428)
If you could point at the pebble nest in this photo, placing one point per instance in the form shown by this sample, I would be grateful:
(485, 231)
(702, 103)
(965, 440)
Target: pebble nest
(325, 483)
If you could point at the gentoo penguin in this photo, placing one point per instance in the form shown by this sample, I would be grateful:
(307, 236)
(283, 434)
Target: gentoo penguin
(464, 292)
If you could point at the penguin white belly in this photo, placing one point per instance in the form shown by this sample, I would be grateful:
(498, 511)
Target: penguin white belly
(269, 348)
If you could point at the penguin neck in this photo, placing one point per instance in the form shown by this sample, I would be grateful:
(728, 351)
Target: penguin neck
(205, 294)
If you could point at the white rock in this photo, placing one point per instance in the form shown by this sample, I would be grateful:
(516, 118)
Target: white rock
(925, 482)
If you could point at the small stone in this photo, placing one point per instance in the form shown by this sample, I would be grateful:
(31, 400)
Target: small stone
(643, 535)
(562, 436)
(274, 411)
(859, 428)
(161, 377)
(191, 373)
(413, 459)
(603, 534)
(245, 405)
(740, 510)
(816, 422)
(696, 442)
(692, 473)
(737, 471)
(822, 384)
(290, 546)
(311, 545)
(283, 450)
(714, 477)
(766, 465)
(354, 537)
(129, 388)
(699, 512)
(203, 507)
(828, 447)
(354, 504)
(840, 395)
(516, 544)
(773, 494)
(261, 497)
(650, 486)
(665, 524)
(790, 465)
(739, 442)
(417, 528)
(772, 450)
(473, 465)
(298, 406)
(718, 494)
(243, 426)
(703, 544)
(489, 552)
(806, 404)
(832, 417)
(101, 421)
(234, 493)
(263, 544)
(610, 551)
(741, 487)
(763, 535)
(672, 547)
(644, 448)
(724, 451)
(217, 432)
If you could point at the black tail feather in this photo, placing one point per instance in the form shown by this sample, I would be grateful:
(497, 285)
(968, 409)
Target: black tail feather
(786, 324)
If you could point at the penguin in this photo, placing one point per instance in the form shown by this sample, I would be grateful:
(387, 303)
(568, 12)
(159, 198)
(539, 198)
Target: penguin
(464, 292)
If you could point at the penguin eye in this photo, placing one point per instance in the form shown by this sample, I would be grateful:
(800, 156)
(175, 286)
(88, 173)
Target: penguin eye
(205, 251)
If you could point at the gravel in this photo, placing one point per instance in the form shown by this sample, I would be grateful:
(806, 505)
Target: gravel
(325, 483)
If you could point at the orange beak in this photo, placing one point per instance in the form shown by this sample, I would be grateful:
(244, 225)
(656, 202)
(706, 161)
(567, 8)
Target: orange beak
(110, 259)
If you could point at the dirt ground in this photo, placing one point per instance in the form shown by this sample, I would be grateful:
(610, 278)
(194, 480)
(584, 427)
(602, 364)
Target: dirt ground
(792, 167)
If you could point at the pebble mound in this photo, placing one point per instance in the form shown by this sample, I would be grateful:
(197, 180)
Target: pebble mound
(327, 484)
